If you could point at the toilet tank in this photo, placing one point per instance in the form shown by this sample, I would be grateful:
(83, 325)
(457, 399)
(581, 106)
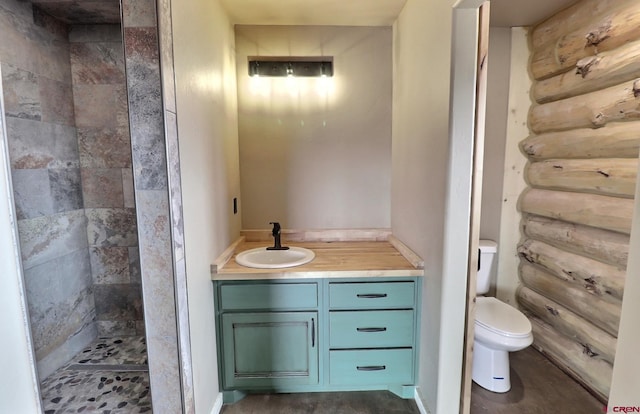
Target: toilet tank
(488, 249)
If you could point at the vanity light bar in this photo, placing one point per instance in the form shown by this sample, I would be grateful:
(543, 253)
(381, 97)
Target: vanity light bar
(290, 67)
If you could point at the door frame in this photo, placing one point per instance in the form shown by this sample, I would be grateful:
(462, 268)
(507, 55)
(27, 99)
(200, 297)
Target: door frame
(459, 255)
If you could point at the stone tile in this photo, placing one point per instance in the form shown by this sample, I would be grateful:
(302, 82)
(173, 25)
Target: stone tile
(149, 162)
(121, 109)
(118, 302)
(97, 63)
(114, 350)
(82, 11)
(54, 61)
(145, 109)
(49, 23)
(94, 105)
(60, 299)
(104, 148)
(45, 238)
(102, 188)
(57, 101)
(184, 336)
(66, 189)
(166, 55)
(89, 391)
(140, 327)
(32, 193)
(111, 227)
(86, 33)
(175, 187)
(109, 265)
(116, 328)
(127, 188)
(156, 262)
(18, 47)
(21, 97)
(163, 362)
(141, 13)
(134, 265)
(36, 144)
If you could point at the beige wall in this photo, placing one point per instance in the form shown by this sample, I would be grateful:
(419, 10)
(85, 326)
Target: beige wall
(207, 128)
(422, 43)
(495, 131)
(316, 153)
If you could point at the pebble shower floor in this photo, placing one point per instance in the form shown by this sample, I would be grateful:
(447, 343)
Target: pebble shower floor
(109, 377)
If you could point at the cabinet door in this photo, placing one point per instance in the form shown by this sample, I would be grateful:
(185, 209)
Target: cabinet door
(268, 350)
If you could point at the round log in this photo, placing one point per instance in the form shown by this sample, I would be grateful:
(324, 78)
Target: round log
(604, 33)
(616, 140)
(594, 210)
(608, 176)
(572, 18)
(595, 374)
(599, 279)
(596, 342)
(592, 110)
(592, 73)
(603, 245)
(603, 314)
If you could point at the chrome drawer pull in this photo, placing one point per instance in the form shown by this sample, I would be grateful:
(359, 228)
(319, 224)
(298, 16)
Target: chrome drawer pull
(371, 329)
(371, 295)
(372, 368)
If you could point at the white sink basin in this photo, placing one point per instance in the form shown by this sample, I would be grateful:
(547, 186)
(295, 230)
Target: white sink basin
(261, 258)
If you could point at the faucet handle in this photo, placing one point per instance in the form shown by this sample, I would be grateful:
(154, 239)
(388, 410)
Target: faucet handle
(276, 227)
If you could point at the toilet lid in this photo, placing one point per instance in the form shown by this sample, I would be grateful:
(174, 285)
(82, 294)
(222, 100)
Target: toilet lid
(500, 318)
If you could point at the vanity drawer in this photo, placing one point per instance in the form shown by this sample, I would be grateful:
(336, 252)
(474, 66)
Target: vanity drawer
(366, 367)
(272, 296)
(371, 329)
(374, 295)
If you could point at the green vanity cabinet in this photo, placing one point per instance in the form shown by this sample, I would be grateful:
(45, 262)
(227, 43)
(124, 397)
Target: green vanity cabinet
(372, 332)
(325, 334)
(270, 349)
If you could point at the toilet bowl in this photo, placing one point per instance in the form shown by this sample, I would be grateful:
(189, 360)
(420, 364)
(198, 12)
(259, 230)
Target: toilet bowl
(498, 330)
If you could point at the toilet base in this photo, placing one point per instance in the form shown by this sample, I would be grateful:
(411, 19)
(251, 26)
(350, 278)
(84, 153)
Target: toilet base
(490, 368)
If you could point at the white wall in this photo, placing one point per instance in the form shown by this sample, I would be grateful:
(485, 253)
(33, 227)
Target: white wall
(316, 153)
(19, 382)
(626, 369)
(514, 163)
(207, 130)
(422, 43)
(495, 131)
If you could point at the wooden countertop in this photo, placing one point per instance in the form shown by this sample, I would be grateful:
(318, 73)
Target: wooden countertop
(381, 258)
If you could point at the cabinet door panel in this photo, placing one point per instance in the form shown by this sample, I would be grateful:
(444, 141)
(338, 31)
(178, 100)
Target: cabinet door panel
(270, 349)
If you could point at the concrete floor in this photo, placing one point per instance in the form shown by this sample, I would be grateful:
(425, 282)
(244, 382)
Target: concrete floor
(361, 402)
(537, 387)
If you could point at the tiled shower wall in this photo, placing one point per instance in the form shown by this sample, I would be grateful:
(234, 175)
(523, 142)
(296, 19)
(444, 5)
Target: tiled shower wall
(45, 163)
(68, 137)
(100, 96)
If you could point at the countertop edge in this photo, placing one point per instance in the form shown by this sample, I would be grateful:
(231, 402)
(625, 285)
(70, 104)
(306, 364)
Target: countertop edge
(330, 274)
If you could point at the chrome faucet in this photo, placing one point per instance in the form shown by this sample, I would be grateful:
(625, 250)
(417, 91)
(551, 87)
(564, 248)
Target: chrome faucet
(277, 245)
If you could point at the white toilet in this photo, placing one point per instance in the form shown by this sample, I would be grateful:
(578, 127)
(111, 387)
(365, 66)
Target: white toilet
(499, 329)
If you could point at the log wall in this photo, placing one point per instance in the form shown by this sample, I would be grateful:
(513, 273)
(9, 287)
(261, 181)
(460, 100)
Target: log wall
(582, 170)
